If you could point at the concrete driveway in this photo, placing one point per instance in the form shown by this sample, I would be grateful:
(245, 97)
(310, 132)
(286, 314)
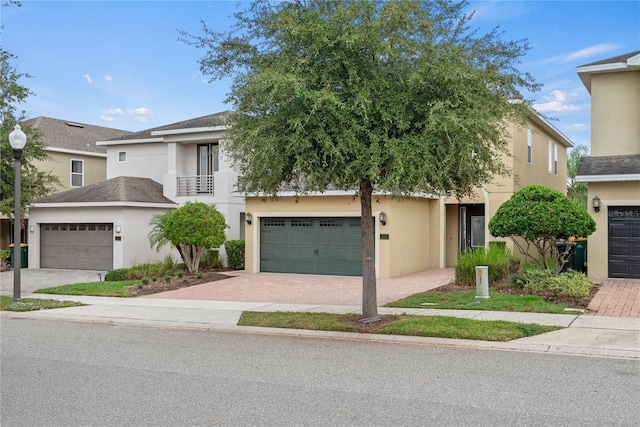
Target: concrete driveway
(38, 278)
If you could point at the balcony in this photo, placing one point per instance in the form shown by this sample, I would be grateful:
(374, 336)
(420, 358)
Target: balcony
(194, 185)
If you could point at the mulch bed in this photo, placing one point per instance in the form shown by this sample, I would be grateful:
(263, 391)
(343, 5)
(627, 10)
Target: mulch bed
(175, 282)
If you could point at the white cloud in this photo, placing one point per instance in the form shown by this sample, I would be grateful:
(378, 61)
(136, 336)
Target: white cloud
(582, 54)
(556, 101)
(111, 111)
(140, 115)
(578, 126)
(87, 77)
(107, 118)
(108, 78)
(591, 51)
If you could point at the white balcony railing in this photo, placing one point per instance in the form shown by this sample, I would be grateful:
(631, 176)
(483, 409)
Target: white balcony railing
(194, 185)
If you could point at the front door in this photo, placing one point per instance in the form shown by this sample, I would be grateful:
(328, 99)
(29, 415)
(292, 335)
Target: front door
(471, 227)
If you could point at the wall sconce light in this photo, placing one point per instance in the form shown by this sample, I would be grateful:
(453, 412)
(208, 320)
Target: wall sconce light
(32, 228)
(383, 218)
(248, 218)
(118, 229)
(596, 204)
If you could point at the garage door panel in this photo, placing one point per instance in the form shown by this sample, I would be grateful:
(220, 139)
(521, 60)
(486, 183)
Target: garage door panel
(624, 242)
(311, 245)
(76, 246)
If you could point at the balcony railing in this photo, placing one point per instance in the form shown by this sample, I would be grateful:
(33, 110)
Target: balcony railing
(194, 185)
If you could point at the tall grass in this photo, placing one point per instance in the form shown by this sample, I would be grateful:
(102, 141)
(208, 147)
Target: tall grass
(499, 259)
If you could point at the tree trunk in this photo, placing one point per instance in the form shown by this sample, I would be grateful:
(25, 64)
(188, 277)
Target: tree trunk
(369, 296)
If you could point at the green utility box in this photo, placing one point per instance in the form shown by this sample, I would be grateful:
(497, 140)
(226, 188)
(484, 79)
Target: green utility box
(24, 255)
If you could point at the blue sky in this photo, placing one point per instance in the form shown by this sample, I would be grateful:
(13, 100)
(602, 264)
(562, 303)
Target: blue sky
(119, 63)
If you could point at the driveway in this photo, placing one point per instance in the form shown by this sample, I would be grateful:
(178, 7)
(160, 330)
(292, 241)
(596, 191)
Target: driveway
(38, 278)
(308, 289)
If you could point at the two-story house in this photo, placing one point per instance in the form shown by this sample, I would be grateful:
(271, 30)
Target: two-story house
(320, 234)
(613, 169)
(106, 225)
(74, 158)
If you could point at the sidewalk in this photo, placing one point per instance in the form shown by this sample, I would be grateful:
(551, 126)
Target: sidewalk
(583, 335)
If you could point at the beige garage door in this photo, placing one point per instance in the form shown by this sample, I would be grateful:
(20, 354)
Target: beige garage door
(76, 246)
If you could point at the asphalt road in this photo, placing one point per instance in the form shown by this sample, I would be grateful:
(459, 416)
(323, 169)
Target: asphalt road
(65, 373)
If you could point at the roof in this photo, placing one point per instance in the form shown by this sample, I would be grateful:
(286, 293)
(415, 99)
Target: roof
(216, 119)
(609, 168)
(120, 189)
(625, 62)
(68, 135)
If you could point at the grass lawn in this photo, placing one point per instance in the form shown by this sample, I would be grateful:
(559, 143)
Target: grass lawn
(421, 326)
(33, 304)
(99, 289)
(465, 300)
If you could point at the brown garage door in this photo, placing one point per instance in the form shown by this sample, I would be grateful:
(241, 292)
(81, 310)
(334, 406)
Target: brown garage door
(76, 246)
(624, 242)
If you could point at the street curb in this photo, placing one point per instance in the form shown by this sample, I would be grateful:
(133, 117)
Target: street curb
(566, 350)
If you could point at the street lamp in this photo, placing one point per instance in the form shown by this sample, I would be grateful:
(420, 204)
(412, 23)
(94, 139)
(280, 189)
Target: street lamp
(18, 140)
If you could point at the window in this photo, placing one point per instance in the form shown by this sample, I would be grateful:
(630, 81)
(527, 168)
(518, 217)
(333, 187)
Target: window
(550, 157)
(208, 163)
(77, 173)
(122, 156)
(529, 145)
(555, 159)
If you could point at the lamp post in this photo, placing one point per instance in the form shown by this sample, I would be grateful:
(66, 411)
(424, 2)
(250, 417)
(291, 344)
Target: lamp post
(17, 140)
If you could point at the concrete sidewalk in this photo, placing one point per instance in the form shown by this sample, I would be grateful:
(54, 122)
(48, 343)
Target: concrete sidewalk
(582, 335)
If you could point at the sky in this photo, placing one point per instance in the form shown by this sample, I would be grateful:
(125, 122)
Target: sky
(120, 64)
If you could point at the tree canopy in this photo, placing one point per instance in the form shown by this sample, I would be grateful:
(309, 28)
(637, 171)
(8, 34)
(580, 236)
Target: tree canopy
(541, 216)
(35, 183)
(193, 229)
(400, 97)
(577, 191)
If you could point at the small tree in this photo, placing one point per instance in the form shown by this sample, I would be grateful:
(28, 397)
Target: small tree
(576, 191)
(192, 229)
(541, 216)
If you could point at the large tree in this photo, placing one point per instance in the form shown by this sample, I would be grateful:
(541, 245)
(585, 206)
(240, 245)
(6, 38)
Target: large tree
(395, 97)
(35, 183)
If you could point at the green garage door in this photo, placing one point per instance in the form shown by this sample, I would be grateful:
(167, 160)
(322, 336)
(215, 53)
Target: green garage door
(311, 246)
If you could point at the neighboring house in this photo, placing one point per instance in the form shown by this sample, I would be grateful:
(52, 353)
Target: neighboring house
(170, 165)
(613, 169)
(320, 234)
(74, 158)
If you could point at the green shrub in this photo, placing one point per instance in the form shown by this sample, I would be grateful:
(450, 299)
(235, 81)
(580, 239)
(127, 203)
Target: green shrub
(235, 254)
(116, 275)
(145, 281)
(499, 260)
(211, 261)
(571, 283)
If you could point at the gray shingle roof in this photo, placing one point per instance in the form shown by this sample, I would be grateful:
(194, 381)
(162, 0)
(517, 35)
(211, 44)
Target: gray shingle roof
(73, 135)
(609, 165)
(613, 60)
(119, 189)
(216, 119)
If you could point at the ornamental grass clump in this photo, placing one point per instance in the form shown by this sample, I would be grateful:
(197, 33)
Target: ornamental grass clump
(499, 260)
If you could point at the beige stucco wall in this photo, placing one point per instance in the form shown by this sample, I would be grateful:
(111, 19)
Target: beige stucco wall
(411, 225)
(615, 113)
(95, 168)
(610, 194)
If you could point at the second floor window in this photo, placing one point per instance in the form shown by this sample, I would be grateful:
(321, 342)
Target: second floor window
(208, 162)
(555, 158)
(77, 173)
